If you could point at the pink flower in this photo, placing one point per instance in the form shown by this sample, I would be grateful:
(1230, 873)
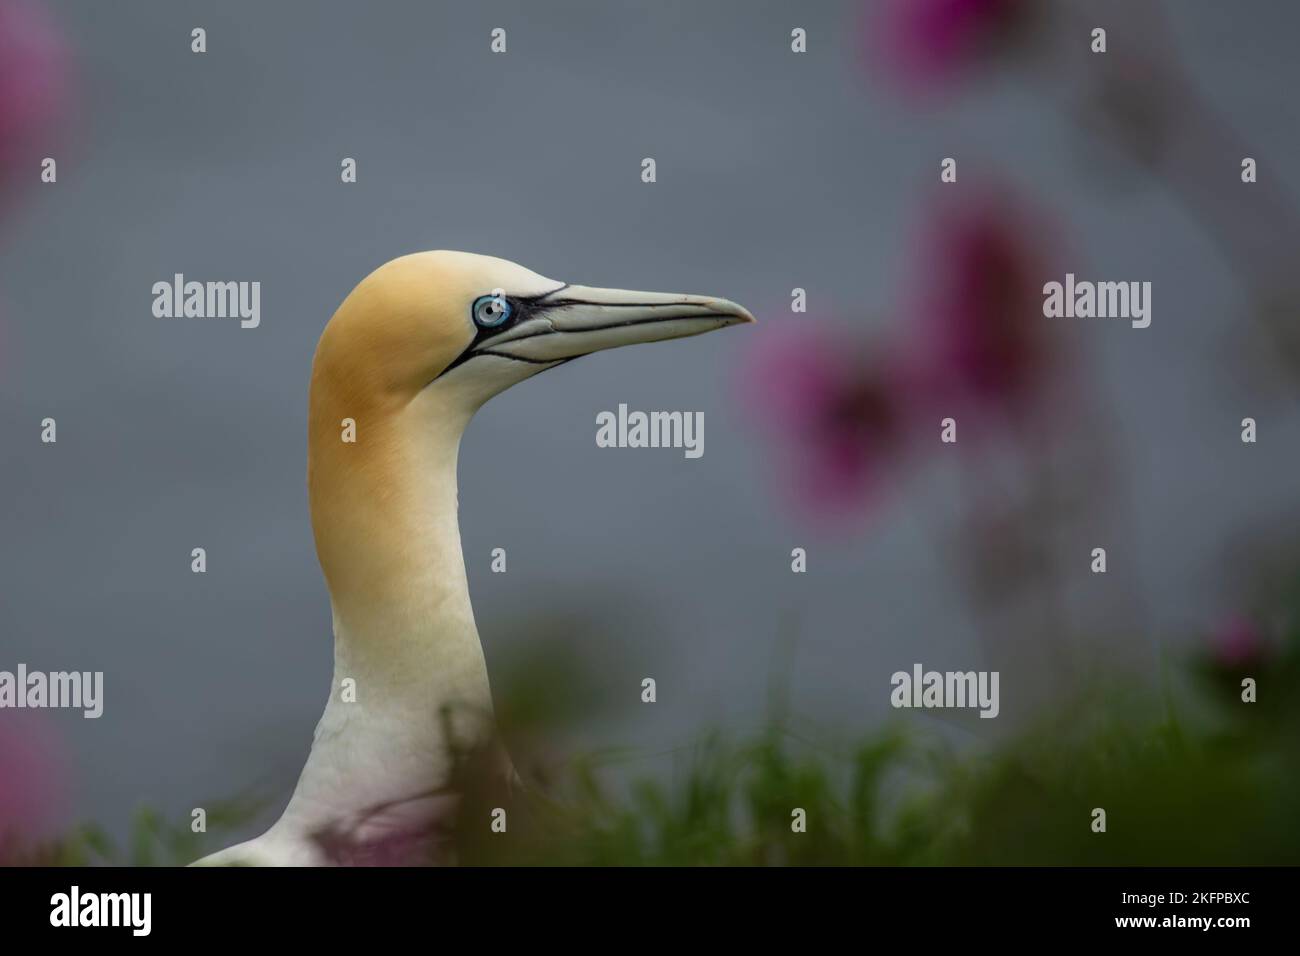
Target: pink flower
(926, 42)
(32, 78)
(31, 780)
(32, 91)
(835, 415)
(979, 339)
(1238, 642)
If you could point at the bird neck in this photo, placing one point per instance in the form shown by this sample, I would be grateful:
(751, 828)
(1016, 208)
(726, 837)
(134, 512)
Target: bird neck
(410, 679)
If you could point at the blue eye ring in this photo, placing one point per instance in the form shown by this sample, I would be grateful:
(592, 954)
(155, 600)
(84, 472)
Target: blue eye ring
(491, 311)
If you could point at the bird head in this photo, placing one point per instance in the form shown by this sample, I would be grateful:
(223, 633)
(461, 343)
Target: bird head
(470, 326)
(407, 359)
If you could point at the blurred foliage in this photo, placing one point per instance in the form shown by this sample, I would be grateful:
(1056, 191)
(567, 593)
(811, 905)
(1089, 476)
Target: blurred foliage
(1187, 775)
(152, 841)
(1172, 797)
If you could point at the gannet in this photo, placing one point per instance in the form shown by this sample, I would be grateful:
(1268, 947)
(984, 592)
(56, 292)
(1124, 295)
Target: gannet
(409, 357)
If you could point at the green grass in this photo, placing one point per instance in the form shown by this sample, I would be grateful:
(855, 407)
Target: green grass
(1202, 780)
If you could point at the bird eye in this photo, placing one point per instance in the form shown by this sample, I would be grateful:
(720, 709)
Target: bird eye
(491, 311)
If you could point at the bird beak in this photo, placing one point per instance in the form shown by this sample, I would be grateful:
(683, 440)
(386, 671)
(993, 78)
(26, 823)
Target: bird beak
(576, 320)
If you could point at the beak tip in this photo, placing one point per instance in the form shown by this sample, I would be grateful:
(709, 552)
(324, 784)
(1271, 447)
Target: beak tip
(738, 314)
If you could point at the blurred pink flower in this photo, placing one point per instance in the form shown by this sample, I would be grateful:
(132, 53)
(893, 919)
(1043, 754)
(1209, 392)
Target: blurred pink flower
(32, 77)
(32, 780)
(978, 336)
(33, 64)
(1237, 642)
(837, 417)
(926, 42)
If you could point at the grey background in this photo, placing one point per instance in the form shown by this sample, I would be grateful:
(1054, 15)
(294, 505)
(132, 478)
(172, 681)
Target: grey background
(774, 171)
